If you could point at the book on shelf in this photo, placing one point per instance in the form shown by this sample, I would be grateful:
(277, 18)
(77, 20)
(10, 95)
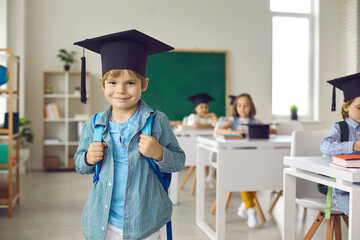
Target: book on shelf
(229, 136)
(46, 112)
(346, 160)
(52, 111)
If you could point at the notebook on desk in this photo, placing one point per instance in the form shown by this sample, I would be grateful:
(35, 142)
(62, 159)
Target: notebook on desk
(230, 136)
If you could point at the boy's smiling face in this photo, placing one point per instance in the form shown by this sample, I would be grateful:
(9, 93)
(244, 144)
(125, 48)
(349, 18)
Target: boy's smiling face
(123, 92)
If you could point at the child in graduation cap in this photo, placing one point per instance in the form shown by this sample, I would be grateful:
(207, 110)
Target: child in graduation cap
(202, 118)
(243, 113)
(344, 136)
(127, 201)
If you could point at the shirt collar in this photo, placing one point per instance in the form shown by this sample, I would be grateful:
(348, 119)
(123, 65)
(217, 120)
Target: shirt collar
(354, 124)
(134, 118)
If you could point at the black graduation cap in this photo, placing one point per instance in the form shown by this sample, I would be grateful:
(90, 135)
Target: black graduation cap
(350, 85)
(232, 99)
(123, 50)
(200, 98)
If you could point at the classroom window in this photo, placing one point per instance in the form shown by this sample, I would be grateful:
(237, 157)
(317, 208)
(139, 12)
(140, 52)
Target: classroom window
(292, 57)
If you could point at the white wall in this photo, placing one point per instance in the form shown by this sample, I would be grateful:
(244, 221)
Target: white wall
(243, 27)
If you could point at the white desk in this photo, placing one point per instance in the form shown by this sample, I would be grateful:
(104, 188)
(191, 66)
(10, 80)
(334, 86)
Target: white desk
(187, 142)
(309, 168)
(243, 165)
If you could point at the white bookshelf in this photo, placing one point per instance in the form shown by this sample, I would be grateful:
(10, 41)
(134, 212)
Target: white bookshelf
(60, 135)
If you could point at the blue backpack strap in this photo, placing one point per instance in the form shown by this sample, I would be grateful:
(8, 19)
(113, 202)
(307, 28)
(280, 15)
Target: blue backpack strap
(164, 178)
(98, 130)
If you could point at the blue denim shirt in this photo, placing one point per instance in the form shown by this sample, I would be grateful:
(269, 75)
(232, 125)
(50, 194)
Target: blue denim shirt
(147, 206)
(332, 145)
(236, 123)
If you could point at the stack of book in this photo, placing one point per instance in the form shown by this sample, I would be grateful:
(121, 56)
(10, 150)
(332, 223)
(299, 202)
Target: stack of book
(346, 161)
(52, 111)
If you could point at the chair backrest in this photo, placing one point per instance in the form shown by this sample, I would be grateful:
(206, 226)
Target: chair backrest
(307, 143)
(288, 127)
(221, 121)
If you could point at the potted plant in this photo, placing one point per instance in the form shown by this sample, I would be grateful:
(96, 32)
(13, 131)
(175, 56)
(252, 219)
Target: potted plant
(26, 136)
(67, 58)
(77, 90)
(293, 110)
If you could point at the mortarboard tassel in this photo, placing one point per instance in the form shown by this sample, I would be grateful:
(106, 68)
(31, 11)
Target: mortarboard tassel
(333, 105)
(83, 77)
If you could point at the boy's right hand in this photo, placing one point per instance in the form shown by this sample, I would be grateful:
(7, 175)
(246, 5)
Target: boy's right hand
(95, 152)
(356, 145)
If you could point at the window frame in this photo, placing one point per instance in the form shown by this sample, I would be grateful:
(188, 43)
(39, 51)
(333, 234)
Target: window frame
(311, 60)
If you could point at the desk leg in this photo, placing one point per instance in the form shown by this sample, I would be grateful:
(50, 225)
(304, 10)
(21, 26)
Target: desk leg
(200, 186)
(220, 195)
(173, 191)
(354, 218)
(289, 206)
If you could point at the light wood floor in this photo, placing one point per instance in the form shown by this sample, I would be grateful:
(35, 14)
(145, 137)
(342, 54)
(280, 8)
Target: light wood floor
(51, 204)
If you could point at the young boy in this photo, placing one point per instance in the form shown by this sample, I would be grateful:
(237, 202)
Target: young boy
(337, 143)
(127, 201)
(202, 118)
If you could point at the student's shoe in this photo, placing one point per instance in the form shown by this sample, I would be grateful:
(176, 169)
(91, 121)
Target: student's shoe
(252, 220)
(242, 212)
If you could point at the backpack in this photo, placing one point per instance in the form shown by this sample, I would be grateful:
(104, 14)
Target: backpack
(164, 178)
(344, 133)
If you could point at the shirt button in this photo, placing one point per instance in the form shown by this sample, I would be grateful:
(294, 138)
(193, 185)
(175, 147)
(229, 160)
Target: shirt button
(106, 206)
(121, 133)
(103, 229)
(123, 144)
(110, 184)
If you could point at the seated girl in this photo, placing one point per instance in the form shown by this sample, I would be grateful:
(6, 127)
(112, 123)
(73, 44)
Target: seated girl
(243, 113)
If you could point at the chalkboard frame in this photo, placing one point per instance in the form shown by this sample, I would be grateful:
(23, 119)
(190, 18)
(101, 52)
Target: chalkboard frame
(153, 96)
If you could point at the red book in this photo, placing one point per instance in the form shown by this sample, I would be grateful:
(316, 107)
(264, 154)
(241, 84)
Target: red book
(346, 160)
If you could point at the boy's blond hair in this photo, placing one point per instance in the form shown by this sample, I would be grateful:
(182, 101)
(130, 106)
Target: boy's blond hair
(118, 72)
(347, 104)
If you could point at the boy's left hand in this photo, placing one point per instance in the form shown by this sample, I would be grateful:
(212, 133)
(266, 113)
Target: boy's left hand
(149, 147)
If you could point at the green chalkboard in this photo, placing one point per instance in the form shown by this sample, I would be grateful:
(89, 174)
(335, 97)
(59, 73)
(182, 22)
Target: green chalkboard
(178, 74)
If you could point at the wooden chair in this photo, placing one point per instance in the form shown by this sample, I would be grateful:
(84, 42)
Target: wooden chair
(285, 128)
(307, 194)
(333, 224)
